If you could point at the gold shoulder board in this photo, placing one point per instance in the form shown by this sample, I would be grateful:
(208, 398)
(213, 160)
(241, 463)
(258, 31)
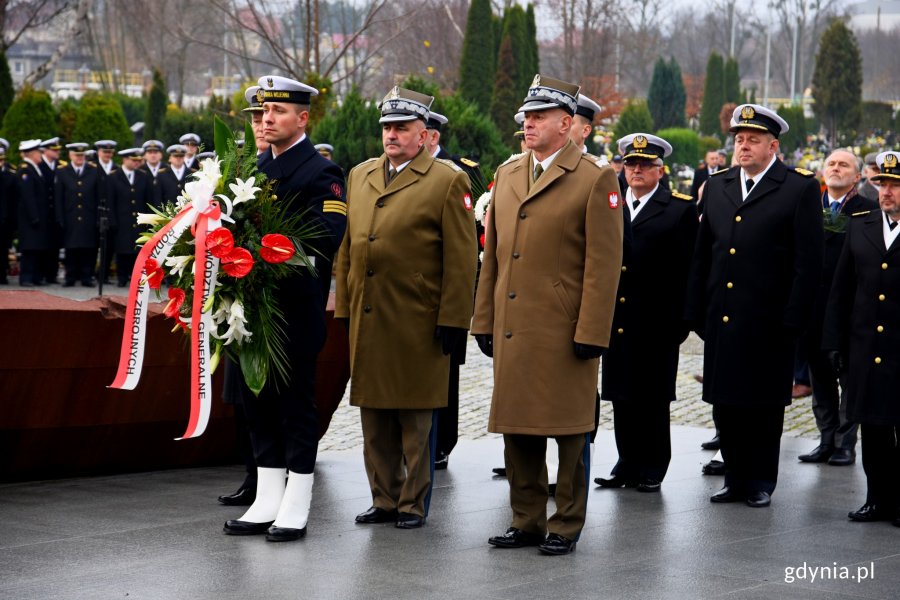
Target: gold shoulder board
(722, 170)
(681, 196)
(62, 163)
(468, 162)
(804, 172)
(861, 213)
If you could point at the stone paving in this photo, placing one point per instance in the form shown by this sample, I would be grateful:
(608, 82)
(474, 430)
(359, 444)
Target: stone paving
(476, 382)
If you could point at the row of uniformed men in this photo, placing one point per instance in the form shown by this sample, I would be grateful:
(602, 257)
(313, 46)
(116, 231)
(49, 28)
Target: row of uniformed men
(48, 203)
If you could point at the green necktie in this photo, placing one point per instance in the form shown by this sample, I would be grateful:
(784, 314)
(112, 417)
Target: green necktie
(538, 170)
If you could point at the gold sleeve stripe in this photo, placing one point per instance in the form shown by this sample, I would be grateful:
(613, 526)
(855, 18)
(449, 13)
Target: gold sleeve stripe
(333, 206)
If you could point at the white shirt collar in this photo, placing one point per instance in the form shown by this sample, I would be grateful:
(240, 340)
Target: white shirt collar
(832, 199)
(756, 178)
(889, 236)
(178, 172)
(49, 163)
(630, 198)
(437, 151)
(545, 164)
(32, 163)
(400, 167)
(302, 137)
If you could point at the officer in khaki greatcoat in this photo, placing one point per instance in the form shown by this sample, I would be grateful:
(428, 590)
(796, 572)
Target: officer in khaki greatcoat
(405, 282)
(544, 308)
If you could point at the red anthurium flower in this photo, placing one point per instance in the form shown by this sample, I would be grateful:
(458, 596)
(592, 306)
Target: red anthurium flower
(238, 262)
(154, 273)
(220, 242)
(176, 299)
(276, 248)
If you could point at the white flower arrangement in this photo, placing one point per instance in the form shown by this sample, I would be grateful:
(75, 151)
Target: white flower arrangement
(481, 206)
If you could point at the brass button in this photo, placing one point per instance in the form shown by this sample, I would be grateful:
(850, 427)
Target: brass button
(370, 272)
(512, 295)
(79, 218)
(367, 308)
(77, 206)
(880, 329)
(79, 182)
(522, 215)
(877, 360)
(884, 266)
(508, 334)
(732, 251)
(79, 194)
(515, 255)
(371, 238)
(881, 297)
(620, 330)
(729, 285)
(622, 300)
(379, 204)
(624, 268)
(725, 319)
(737, 219)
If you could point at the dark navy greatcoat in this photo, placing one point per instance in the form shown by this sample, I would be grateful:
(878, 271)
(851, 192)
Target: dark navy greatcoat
(757, 266)
(863, 321)
(77, 201)
(170, 186)
(314, 186)
(648, 326)
(34, 209)
(125, 202)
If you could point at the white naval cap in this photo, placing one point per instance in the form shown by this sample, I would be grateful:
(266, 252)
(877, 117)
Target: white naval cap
(192, 138)
(283, 89)
(643, 145)
(587, 108)
(28, 145)
(754, 116)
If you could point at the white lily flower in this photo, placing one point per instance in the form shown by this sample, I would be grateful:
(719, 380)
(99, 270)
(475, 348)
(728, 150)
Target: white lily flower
(200, 193)
(243, 190)
(237, 330)
(209, 171)
(178, 264)
(151, 219)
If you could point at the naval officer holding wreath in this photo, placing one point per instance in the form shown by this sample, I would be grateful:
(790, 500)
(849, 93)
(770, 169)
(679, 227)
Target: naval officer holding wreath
(405, 281)
(546, 295)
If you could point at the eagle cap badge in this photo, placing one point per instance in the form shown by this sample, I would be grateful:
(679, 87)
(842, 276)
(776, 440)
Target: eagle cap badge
(640, 142)
(269, 82)
(747, 113)
(890, 161)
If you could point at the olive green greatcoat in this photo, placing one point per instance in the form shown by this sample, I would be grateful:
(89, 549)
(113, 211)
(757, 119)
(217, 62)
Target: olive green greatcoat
(552, 259)
(406, 265)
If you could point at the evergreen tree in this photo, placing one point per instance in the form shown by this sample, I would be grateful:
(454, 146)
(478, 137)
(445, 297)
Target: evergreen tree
(515, 27)
(352, 129)
(732, 82)
(476, 71)
(666, 97)
(534, 65)
(837, 80)
(506, 98)
(7, 92)
(321, 101)
(30, 116)
(635, 118)
(713, 95)
(157, 102)
(796, 134)
(100, 117)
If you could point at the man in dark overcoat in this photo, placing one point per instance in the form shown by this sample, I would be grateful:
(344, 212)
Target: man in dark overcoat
(837, 444)
(8, 203)
(640, 367)
(76, 201)
(283, 420)
(34, 219)
(129, 191)
(753, 283)
(862, 336)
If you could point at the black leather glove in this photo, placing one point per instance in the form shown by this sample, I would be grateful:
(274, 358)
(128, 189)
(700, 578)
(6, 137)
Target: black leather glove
(485, 343)
(450, 338)
(836, 360)
(587, 352)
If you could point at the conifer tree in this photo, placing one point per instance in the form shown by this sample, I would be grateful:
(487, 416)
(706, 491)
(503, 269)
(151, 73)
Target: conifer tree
(7, 92)
(837, 80)
(713, 95)
(732, 82)
(506, 99)
(157, 102)
(476, 71)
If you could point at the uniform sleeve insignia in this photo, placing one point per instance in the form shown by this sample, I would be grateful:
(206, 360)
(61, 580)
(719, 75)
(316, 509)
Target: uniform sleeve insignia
(804, 172)
(861, 213)
(337, 191)
(467, 201)
(613, 198)
(334, 206)
(681, 196)
(468, 162)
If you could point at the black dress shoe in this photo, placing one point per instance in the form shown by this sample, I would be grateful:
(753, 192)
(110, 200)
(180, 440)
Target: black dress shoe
(842, 457)
(759, 499)
(649, 486)
(870, 512)
(726, 494)
(235, 527)
(441, 462)
(516, 538)
(409, 521)
(556, 545)
(712, 444)
(501, 471)
(284, 534)
(377, 515)
(713, 467)
(819, 454)
(616, 482)
(245, 496)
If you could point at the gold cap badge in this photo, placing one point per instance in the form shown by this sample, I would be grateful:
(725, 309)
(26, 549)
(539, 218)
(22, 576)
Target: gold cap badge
(747, 113)
(640, 142)
(890, 161)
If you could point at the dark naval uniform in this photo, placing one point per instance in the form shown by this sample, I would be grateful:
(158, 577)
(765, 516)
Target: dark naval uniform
(155, 182)
(77, 201)
(863, 324)
(830, 406)
(170, 185)
(35, 223)
(127, 199)
(283, 422)
(50, 265)
(8, 215)
(756, 270)
(640, 367)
